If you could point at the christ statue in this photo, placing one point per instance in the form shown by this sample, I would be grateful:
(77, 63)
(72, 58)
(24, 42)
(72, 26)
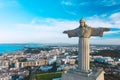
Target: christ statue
(84, 32)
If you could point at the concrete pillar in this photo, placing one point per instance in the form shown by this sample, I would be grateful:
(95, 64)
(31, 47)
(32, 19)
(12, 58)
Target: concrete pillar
(83, 54)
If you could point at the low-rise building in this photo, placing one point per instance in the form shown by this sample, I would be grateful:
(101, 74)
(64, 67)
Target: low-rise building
(33, 63)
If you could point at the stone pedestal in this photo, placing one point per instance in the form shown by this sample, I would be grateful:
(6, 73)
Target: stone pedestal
(73, 75)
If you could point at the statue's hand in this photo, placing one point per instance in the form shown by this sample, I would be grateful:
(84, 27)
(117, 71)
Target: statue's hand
(106, 29)
(65, 32)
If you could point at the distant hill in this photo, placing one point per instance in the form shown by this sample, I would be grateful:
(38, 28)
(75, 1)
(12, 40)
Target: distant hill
(36, 50)
(106, 53)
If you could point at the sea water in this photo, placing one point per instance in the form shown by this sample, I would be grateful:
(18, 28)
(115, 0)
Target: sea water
(9, 48)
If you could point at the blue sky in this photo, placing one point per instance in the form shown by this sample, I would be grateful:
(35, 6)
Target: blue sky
(43, 21)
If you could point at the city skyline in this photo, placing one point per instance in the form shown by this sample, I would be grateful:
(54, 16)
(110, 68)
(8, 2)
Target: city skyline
(44, 21)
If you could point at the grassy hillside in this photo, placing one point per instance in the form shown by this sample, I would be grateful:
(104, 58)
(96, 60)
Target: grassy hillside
(46, 76)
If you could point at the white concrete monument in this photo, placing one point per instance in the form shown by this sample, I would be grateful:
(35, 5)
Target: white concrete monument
(84, 32)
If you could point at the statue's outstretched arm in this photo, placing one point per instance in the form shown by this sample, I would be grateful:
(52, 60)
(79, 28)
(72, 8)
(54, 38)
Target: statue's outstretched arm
(65, 32)
(71, 33)
(99, 31)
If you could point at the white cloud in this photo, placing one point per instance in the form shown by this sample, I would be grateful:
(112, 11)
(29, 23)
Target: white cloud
(39, 30)
(67, 3)
(96, 22)
(83, 3)
(8, 3)
(108, 2)
(100, 21)
(115, 18)
(49, 30)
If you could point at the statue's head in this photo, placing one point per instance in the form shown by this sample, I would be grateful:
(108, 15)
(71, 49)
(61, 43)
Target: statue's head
(82, 23)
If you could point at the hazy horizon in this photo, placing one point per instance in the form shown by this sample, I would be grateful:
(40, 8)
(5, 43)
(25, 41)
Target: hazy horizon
(51, 44)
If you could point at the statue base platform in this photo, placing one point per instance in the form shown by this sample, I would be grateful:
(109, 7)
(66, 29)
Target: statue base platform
(74, 75)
